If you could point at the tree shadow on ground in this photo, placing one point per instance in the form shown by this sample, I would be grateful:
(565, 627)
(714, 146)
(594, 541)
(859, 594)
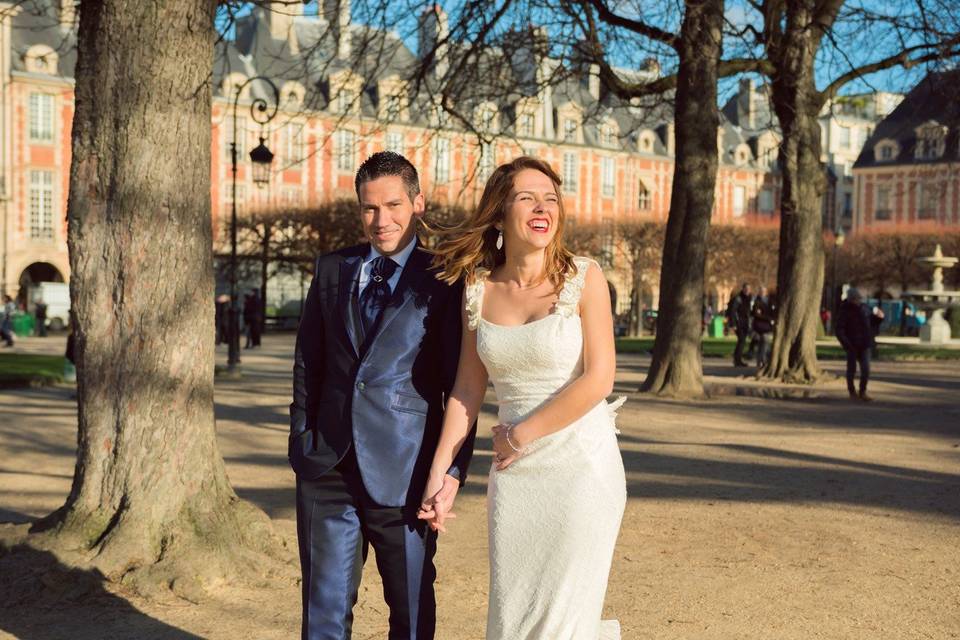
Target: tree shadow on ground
(43, 599)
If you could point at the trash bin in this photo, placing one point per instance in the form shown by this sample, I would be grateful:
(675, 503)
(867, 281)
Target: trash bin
(716, 327)
(22, 324)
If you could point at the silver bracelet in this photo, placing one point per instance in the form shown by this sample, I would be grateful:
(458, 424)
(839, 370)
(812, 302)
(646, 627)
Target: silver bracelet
(510, 441)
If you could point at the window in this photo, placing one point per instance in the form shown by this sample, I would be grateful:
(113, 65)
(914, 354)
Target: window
(346, 155)
(571, 171)
(486, 161)
(41, 205)
(766, 201)
(607, 136)
(41, 117)
(847, 205)
(886, 152)
(291, 144)
(393, 108)
(844, 137)
(525, 125)
(883, 211)
(241, 194)
(241, 138)
(930, 142)
(607, 243)
(643, 200)
(739, 201)
(344, 101)
(929, 202)
(570, 130)
(394, 142)
(607, 176)
(441, 160)
(486, 119)
(291, 196)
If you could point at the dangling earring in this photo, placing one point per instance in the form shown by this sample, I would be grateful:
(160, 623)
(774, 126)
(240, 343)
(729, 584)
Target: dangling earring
(500, 240)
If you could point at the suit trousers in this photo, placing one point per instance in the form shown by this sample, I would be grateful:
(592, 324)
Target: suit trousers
(337, 522)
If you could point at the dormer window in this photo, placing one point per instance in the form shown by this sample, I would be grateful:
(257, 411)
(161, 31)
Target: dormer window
(344, 100)
(525, 125)
(931, 141)
(886, 151)
(569, 130)
(607, 135)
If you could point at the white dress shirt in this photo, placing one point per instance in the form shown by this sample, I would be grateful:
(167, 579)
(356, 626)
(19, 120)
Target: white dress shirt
(400, 258)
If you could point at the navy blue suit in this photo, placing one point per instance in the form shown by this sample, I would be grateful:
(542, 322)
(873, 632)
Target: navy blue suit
(364, 423)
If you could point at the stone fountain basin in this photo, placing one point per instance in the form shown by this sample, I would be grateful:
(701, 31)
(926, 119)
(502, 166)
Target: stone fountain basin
(933, 296)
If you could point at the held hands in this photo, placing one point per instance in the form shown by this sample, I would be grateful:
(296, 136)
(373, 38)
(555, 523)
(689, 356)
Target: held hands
(437, 503)
(506, 448)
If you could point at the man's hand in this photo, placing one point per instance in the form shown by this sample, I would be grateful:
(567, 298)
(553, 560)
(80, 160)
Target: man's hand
(437, 504)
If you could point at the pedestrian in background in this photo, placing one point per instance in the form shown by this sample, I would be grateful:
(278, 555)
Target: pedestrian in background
(221, 317)
(6, 320)
(762, 313)
(40, 314)
(856, 327)
(253, 319)
(738, 315)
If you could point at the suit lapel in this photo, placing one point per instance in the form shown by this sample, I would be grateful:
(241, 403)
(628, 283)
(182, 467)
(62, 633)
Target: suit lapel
(349, 301)
(412, 275)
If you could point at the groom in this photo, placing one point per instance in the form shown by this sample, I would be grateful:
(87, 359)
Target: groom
(376, 358)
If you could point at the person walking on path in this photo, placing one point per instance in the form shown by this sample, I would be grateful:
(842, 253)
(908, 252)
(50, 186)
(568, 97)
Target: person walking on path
(6, 320)
(738, 314)
(762, 313)
(253, 319)
(40, 313)
(856, 328)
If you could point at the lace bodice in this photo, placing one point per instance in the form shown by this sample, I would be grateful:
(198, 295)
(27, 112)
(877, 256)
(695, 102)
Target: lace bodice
(531, 362)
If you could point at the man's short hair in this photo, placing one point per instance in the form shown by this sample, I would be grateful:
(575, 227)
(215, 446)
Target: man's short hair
(389, 163)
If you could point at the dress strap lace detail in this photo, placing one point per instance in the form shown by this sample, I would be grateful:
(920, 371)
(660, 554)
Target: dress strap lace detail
(573, 287)
(474, 297)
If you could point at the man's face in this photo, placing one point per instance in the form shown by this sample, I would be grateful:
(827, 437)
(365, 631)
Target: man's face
(388, 215)
(746, 290)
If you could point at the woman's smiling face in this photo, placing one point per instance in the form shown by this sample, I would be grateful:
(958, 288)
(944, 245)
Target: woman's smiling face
(532, 211)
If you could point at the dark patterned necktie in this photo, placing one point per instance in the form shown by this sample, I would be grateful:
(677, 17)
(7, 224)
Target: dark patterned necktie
(376, 294)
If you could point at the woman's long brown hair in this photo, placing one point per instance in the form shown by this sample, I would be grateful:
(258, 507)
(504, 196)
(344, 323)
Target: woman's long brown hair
(473, 243)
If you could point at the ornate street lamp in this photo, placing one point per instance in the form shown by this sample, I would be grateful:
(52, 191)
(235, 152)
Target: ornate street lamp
(262, 112)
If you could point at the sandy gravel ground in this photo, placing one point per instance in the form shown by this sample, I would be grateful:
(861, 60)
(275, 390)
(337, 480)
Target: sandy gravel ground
(764, 512)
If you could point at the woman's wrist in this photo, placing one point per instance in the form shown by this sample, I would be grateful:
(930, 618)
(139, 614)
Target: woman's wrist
(520, 436)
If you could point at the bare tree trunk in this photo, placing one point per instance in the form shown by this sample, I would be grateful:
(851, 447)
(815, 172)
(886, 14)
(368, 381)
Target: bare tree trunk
(150, 500)
(797, 103)
(676, 369)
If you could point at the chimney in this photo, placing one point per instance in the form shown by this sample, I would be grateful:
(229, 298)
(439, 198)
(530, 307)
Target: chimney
(280, 18)
(593, 82)
(337, 15)
(746, 114)
(68, 13)
(434, 35)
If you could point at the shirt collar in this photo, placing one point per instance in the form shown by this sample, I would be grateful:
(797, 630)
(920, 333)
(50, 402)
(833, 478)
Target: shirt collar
(400, 257)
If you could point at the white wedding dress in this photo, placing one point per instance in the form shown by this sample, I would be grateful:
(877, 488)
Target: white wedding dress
(554, 514)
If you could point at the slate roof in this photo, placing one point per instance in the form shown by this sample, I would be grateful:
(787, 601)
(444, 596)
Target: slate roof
(936, 98)
(37, 23)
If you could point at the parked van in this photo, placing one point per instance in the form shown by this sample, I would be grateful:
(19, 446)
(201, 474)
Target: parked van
(56, 295)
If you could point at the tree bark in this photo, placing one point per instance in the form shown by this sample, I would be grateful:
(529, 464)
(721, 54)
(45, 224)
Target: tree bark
(676, 369)
(150, 501)
(797, 103)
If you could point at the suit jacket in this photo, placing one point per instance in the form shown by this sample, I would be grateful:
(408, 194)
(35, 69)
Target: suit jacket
(382, 394)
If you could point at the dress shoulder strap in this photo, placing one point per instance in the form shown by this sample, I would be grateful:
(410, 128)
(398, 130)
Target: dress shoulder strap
(473, 294)
(573, 287)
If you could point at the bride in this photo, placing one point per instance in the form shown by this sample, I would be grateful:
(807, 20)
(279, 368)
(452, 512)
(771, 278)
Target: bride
(538, 324)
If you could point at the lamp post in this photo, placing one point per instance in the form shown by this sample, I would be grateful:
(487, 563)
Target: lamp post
(261, 158)
(838, 238)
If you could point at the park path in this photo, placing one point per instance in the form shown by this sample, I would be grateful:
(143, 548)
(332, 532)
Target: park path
(765, 512)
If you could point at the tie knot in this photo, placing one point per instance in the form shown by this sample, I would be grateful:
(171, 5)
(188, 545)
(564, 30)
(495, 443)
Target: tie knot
(383, 268)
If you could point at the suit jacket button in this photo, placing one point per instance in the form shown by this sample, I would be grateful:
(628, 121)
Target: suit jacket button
(361, 386)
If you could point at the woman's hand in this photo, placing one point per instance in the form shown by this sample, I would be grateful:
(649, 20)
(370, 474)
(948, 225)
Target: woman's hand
(437, 503)
(506, 449)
